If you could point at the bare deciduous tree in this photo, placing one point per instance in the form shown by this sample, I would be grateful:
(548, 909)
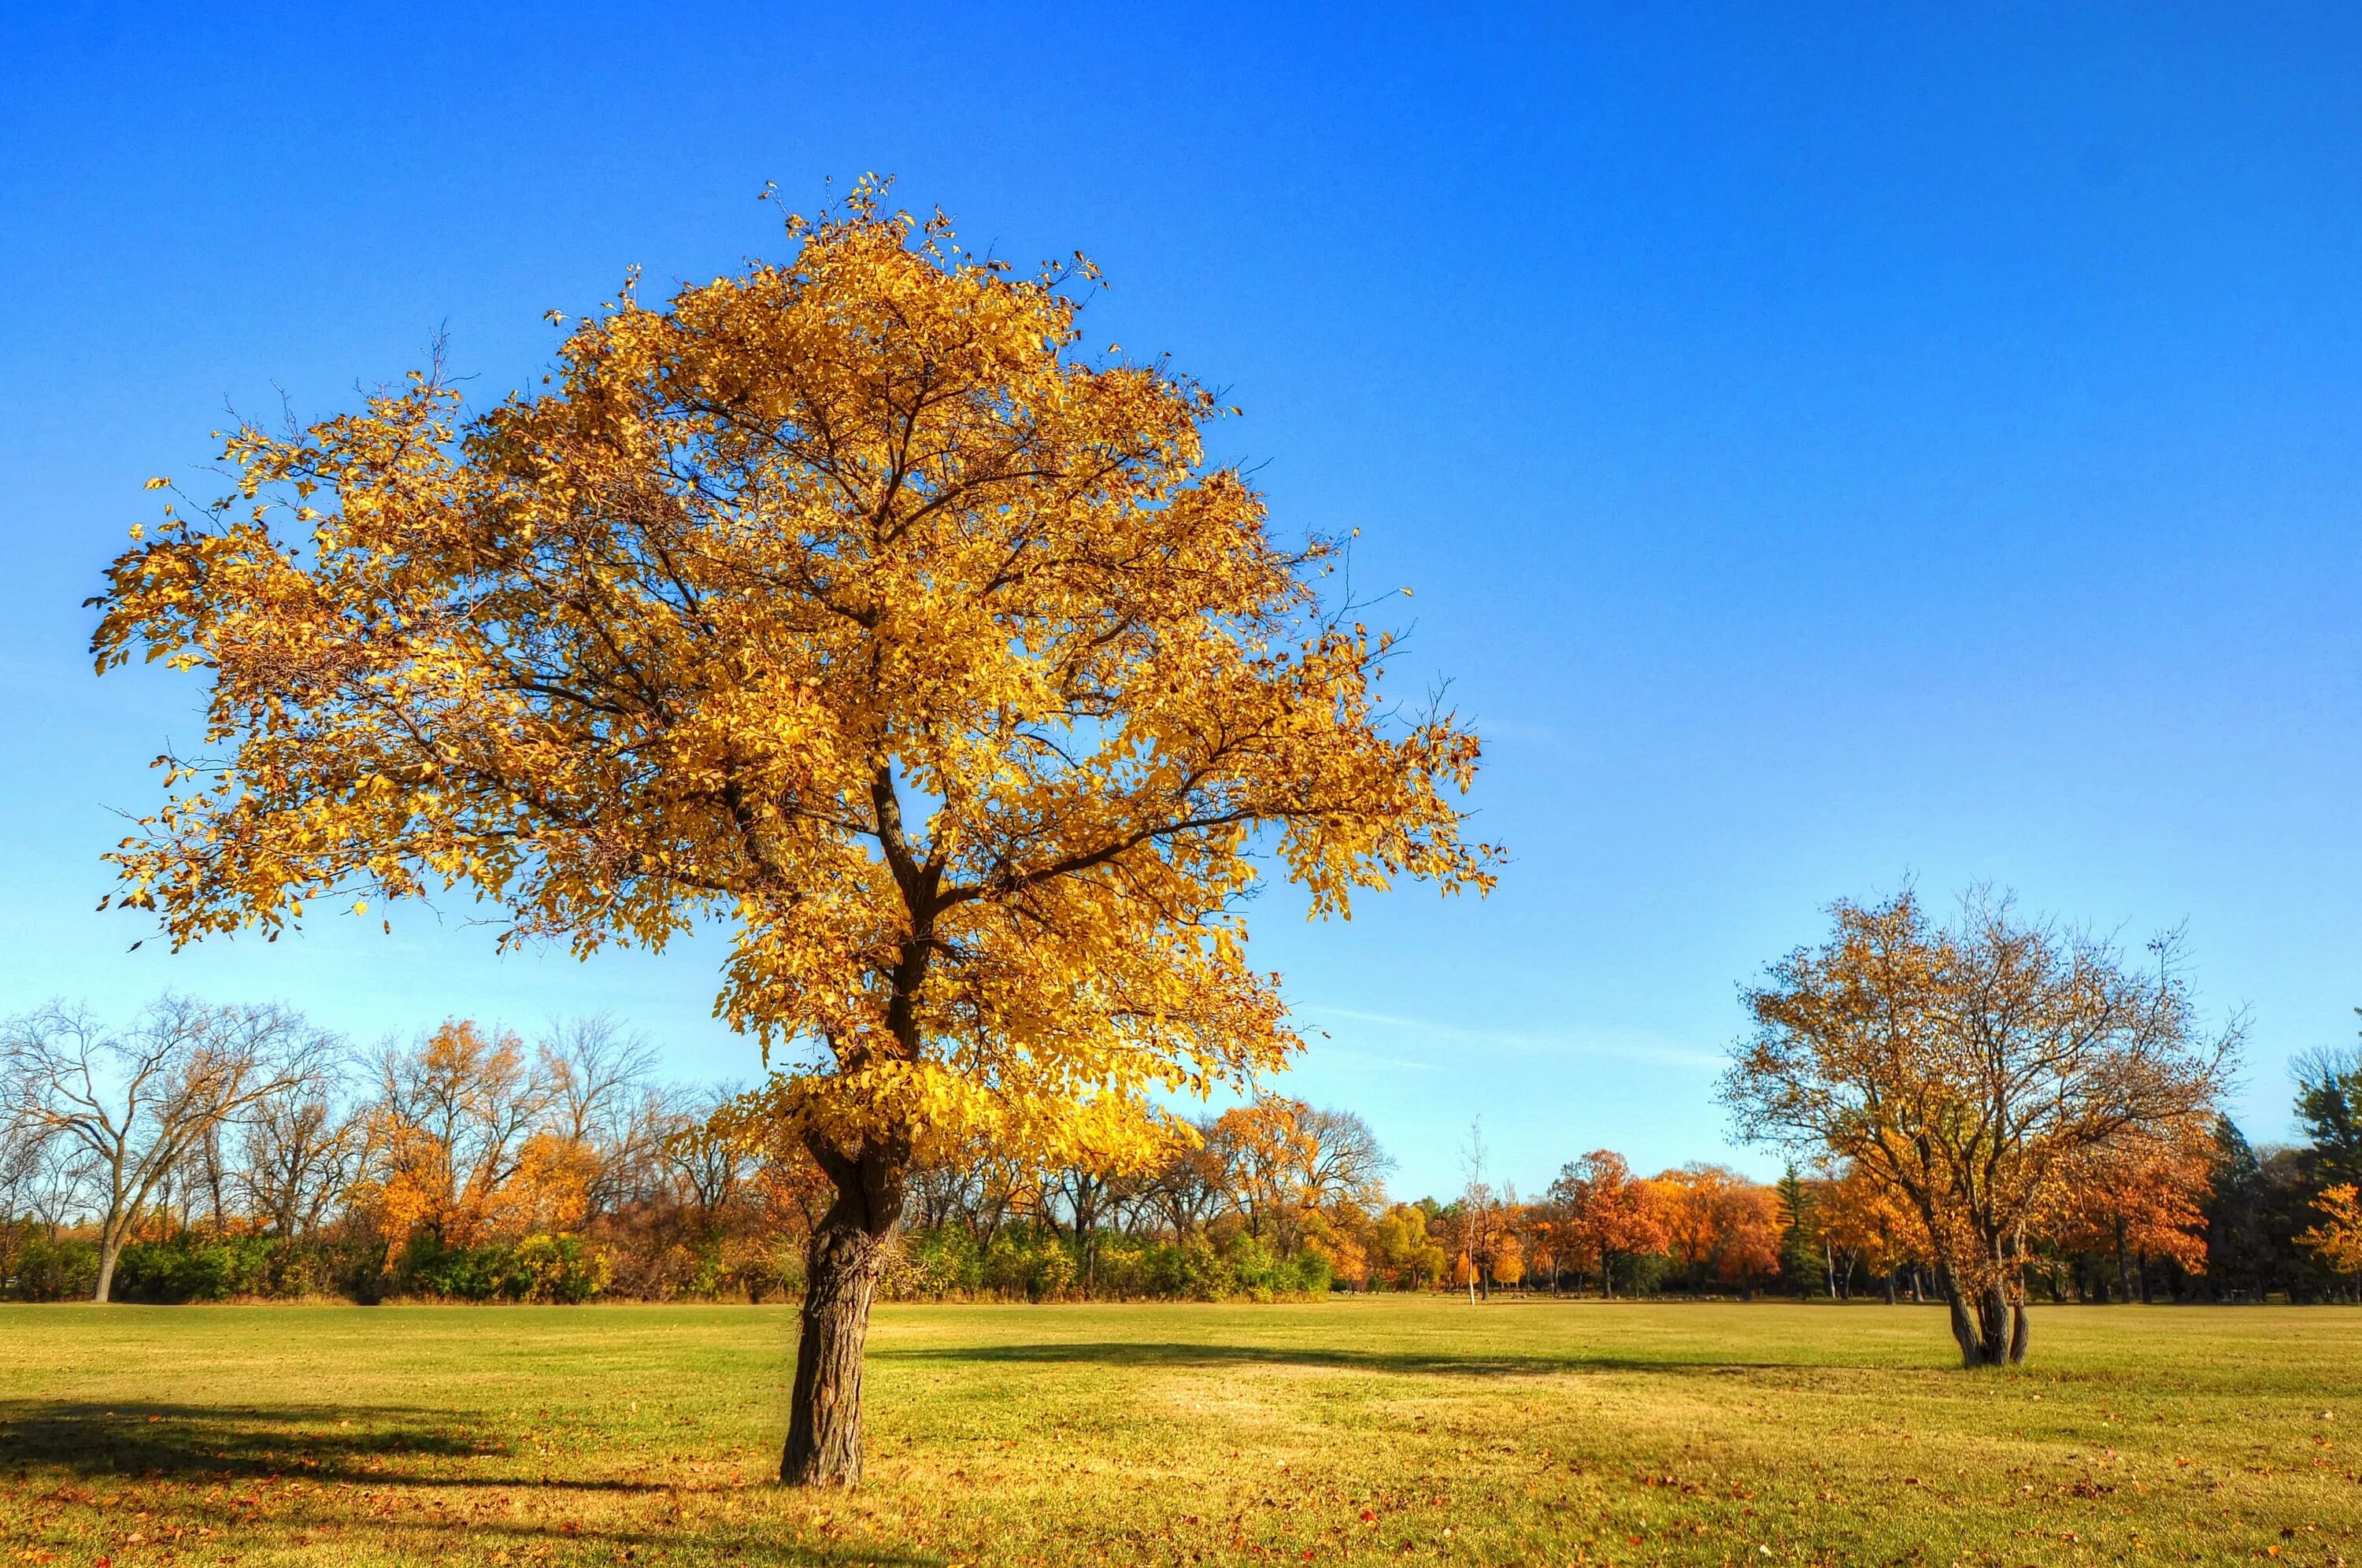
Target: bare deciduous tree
(297, 1151)
(597, 1077)
(1343, 1159)
(1479, 1221)
(133, 1104)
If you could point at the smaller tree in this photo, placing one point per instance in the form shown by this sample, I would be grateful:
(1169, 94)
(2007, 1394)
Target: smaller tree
(1508, 1261)
(135, 1103)
(1802, 1265)
(2329, 1107)
(459, 1120)
(1978, 1069)
(297, 1151)
(706, 1170)
(1476, 1219)
(2140, 1198)
(1267, 1149)
(602, 1108)
(1343, 1161)
(1861, 1220)
(2240, 1254)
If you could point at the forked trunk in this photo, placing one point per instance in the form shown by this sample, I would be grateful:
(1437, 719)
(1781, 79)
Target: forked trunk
(1988, 1326)
(848, 1253)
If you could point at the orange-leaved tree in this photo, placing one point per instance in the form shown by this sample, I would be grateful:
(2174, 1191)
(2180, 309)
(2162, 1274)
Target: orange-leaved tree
(1979, 1070)
(2140, 1198)
(1865, 1220)
(844, 603)
(1718, 1224)
(1603, 1213)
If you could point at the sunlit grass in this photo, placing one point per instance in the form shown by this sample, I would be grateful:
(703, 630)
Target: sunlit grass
(1362, 1430)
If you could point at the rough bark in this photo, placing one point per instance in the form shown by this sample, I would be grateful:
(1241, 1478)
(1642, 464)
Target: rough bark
(1988, 1324)
(848, 1253)
(1964, 1327)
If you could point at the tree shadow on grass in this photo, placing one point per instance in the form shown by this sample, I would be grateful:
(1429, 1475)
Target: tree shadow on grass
(1455, 1363)
(378, 1448)
(319, 1442)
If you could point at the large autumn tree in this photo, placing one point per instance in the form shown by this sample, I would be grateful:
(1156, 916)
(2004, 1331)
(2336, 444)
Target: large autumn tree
(844, 603)
(1981, 1071)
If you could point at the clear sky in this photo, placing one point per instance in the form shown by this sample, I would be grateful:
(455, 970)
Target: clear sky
(1825, 451)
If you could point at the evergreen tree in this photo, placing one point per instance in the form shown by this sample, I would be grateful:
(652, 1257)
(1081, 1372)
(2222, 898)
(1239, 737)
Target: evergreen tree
(1802, 1267)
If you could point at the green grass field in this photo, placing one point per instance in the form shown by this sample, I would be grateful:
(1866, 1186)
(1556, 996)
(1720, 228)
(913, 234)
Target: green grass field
(1368, 1431)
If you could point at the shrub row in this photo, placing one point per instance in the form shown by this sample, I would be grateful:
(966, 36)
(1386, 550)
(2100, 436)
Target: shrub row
(946, 1263)
(1027, 1265)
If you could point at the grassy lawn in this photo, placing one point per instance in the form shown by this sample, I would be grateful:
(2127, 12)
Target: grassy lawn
(1348, 1430)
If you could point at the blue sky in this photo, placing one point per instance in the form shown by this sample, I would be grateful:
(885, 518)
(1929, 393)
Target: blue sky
(1825, 449)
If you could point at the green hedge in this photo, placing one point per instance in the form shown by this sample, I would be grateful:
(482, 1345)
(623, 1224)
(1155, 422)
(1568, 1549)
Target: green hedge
(558, 1269)
(1030, 1264)
(36, 1266)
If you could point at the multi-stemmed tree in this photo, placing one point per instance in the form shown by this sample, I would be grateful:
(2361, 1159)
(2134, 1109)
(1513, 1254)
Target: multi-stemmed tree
(843, 603)
(1981, 1072)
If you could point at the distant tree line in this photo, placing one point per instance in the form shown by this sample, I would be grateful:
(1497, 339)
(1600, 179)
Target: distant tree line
(212, 1153)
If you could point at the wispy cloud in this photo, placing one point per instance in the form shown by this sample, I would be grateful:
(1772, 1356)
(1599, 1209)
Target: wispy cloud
(1631, 1044)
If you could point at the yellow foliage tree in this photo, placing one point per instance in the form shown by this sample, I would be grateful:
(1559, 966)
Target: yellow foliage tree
(1406, 1249)
(1509, 1257)
(2338, 1240)
(844, 603)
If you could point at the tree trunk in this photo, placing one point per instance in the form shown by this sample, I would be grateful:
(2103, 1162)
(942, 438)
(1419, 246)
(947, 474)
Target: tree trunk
(1987, 1326)
(1964, 1331)
(110, 1248)
(1890, 1288)
(848, 1253)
